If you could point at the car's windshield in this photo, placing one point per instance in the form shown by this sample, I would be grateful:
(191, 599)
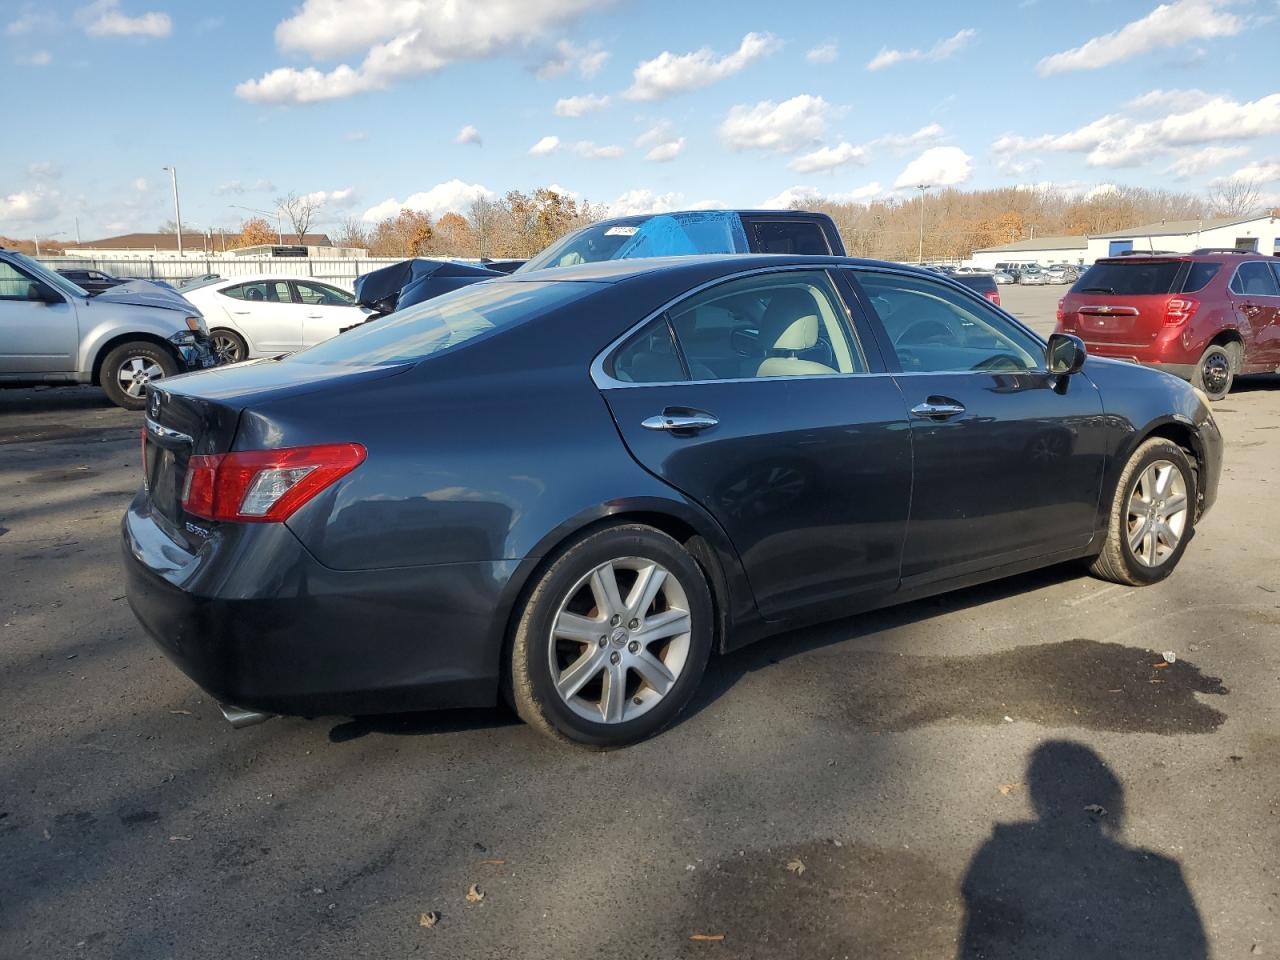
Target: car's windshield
(55, 280)
(660, 235)
(445, 321)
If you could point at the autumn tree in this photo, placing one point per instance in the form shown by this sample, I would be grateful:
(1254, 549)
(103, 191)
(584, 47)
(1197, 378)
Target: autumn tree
(407, 234)
(254, 232)
(454, 237)
(352, 232)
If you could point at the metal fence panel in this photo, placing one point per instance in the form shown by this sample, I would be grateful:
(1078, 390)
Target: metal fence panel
(342, 272)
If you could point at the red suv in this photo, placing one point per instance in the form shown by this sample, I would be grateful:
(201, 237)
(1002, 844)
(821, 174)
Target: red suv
(1205, 316)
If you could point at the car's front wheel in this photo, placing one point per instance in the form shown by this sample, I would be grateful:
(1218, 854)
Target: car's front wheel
(613, 638)
(128, 368)
(1152, 516)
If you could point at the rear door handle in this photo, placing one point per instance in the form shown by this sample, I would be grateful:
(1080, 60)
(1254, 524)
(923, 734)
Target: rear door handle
(938, 408)
(676, 422)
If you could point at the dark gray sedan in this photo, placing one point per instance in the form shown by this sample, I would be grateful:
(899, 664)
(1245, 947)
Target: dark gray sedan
(572, 487)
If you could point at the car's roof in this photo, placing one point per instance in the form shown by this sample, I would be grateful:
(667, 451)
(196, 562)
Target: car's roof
(1223, 256)
(255, 277)
(615, 271)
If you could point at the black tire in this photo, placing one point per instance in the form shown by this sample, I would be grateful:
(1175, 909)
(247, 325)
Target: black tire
(1118, 562)
(140, 355)
(228, 346)
(1216, 370)
(533, 689)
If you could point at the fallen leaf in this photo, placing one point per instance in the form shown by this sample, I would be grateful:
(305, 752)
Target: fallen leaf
(1008, 788)
(428, 919)
(474, 893)
(1159, 666)
(492, 863)
(1157, 680)
(713, 937)
(796, 867)
(1096, 809)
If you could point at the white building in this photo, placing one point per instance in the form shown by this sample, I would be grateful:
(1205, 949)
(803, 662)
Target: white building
(1260, 234)
(1041, 250)
(202, 246)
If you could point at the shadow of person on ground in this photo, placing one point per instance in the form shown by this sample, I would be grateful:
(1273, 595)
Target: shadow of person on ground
(1065, 886)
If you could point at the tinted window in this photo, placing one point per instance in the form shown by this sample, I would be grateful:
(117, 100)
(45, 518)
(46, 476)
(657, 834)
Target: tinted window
(983, 283)
(649, 357)
(1198, 276)
(787, 324)
(789, 236)
(935, 329)
(1254, 278)
(323, 295)
(445, 321)
(1130, 278)
(260, 291)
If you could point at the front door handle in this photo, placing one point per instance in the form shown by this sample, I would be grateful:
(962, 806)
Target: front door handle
(668, 420)
(938, 408)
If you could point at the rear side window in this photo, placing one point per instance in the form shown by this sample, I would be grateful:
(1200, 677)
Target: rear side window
(788, 236)
(1254, 278)
(649, 357)
(432, 326)
(1128, 279)
(264, 291)
(1198, 276)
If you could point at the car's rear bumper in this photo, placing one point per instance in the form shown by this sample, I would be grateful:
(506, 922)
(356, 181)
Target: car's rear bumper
(1142, 354)
(257, 622)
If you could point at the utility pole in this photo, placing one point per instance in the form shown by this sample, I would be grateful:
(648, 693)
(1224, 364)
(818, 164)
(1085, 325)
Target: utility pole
(177, 209)
(77, 231)
(922, 187)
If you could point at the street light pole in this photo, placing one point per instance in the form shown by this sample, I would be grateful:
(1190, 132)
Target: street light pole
(177, 209)
(922, 187)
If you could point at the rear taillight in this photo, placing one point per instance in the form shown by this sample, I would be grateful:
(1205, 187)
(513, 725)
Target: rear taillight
(1179, 310)
(993, 296)
(264, 486)
(1060, 303)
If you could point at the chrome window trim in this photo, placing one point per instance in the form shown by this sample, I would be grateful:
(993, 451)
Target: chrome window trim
(604, 381)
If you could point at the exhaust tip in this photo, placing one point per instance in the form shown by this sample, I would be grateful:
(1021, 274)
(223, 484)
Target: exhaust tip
(239, 717)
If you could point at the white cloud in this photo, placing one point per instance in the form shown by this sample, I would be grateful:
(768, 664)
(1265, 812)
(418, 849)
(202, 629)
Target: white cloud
(635, 202)
(451, 197)
(1116, 140)
(937, 167)
(942, 50)
(593, 151)
(1203, 158)
(668, 150)
(669, 73)
(1163, 101)
(548, 144)
(36, 58)
(237, 187)
(905, 141)
(812, 196)
(402, 39)
(830, 158)
(823, 53)
(31, 21)
(567, 56)
(141, 185)
(580, 105)
(1168, 25)
(469, 134)
(1260, 171)
(103, 18)
(44, 170)
(785, 126)
(356, 136)
(332, 198)
(38, 204)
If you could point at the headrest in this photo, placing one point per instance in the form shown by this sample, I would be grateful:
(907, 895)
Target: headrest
(790, 322)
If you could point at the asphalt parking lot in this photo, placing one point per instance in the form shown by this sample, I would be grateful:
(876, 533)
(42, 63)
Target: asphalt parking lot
(854, 790)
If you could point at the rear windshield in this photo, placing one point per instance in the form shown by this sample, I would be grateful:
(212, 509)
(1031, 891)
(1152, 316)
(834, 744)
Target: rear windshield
(445, 321)
(1129, 278)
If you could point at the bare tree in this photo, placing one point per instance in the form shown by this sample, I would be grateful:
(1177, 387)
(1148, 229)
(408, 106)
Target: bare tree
(1235, 197)
(352, 233)
(484, 216)
(301, 211)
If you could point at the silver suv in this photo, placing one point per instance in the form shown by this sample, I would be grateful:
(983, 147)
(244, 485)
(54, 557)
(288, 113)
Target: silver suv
(54, 332)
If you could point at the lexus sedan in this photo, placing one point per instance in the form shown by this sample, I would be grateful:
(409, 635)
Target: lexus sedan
(570, 488)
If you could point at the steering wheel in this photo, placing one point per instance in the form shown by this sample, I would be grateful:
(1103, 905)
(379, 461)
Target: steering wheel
(927, 331)
(1001, 361)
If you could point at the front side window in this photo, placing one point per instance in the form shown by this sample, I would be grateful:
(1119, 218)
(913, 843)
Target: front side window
(785, 324)
(14, 284)
(1254, 278)
(935, 329)
(323, 295)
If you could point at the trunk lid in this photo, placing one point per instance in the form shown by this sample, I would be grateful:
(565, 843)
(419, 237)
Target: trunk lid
(199, 414)
(1122, 301)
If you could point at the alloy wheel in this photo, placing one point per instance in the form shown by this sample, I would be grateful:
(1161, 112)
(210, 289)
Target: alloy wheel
(135, 373)
(1157, 513)
(620, 640)
(226, 349)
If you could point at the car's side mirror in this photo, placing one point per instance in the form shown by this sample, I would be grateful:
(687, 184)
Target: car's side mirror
(1064, 354)
(43, 293)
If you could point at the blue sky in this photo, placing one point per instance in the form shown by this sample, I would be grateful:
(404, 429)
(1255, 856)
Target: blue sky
(636, 105)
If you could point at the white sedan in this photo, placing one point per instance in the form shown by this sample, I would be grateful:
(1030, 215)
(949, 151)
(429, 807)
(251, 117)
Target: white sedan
(262, 316)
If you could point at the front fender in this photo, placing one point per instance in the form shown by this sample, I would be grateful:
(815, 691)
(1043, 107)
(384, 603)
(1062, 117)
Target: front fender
(102, 323)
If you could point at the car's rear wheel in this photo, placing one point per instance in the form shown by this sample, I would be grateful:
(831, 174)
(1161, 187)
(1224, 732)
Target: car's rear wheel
(612, 639)
(228, 346)
(1152, 516)
(128, 368)
(1215, 370)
